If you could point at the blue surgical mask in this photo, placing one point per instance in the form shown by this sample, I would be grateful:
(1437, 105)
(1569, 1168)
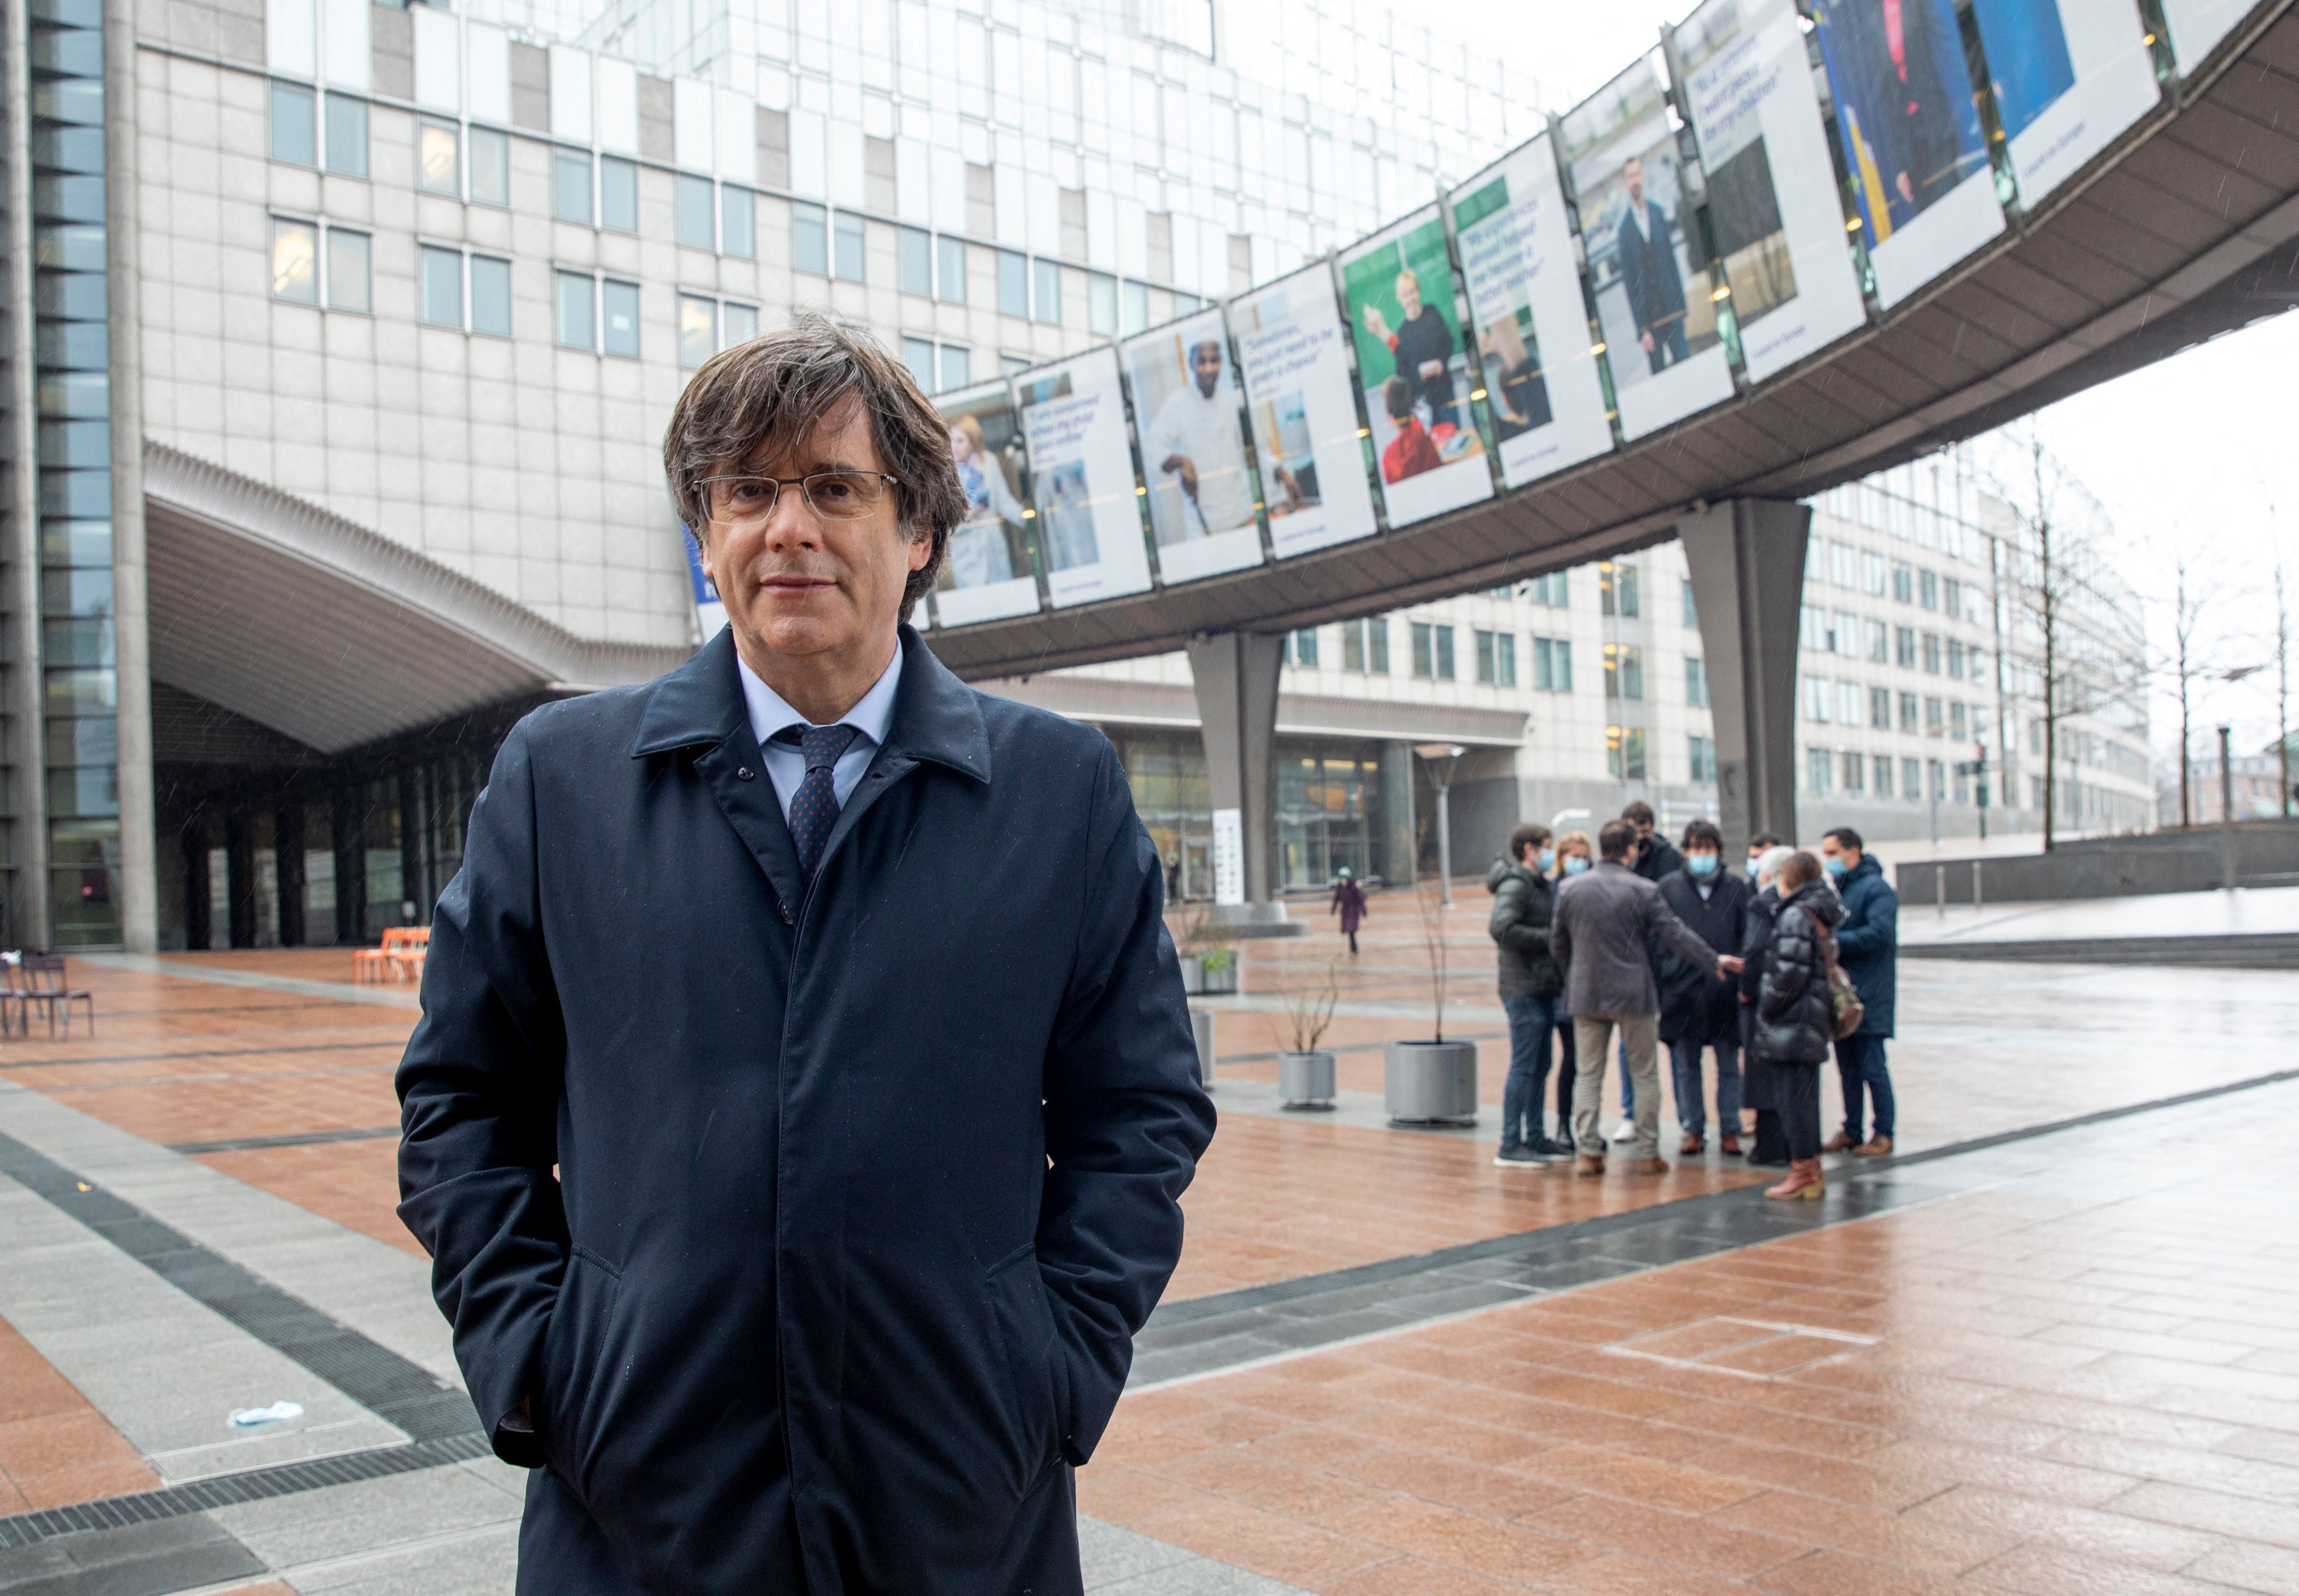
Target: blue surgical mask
(1835, 866)
(1752, 867)
(1576, 865)
(1547, 859)
(1700, 864)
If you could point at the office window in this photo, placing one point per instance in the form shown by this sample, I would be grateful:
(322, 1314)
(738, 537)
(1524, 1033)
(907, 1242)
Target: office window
(1704, 758)
(1904, 646)
(295, 132)
(1935, 718)
(1812, 629)
(737, 324)
(295, 261)
(951, 269)
(1445, 654)
(1552, 664)
(619, 193)
(1843, 565)
(1013, 284)
(1848, 695)
(1047, 290)
(1819, 699)
(1956, 723)
(1932, 653)
(618, 317)
(1012, 365)
(697, 228)
(1879, 709)
(1424, 651)
(1955, 659)
(846, 257)
(1935, 775)
(1303, 646)
(1548, 590)
(1496, 658)
(349, 272)
(1625, 670)
(347, 135)
(441, 286)
(1352, 645)
(738, 222)
(1879, 643)
(491, 296)
(1908, 713)
(1911, 779)
(1616, 588)
(1136, 296)
(1871, 575)
(570, 187)
(575, 305)
(914, 257)
(957, 366)
(1951, 597)
(1100, 302)
(1844, 638)
(1377, 645)
(919, 355)
(810, 238)
(697, 330)
(489, 154)
(1695, 682)
(439, 158)
(1927, 586)
(1624, 752)
(1904, 582)
(1820, 769)
(1856, 771)
(1691, 610)
(1883, 769)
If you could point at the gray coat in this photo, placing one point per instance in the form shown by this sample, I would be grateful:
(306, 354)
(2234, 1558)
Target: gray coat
(1605, 922)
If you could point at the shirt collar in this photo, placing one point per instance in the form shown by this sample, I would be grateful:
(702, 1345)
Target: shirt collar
(770, 713)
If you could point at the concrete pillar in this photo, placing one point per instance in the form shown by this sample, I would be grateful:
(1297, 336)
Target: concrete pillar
(139, 889)
(239, 876)
(1399, 825)
(199, 909)
(287, 857)
(347, 823)
(1746, 558)
(1235, 674)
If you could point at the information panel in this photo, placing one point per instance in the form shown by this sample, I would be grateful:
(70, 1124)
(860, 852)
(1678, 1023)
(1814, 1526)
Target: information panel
(1296, 366)
(1905, 116)
(1771, 185)
(1652, 289)
(2069, 76)
(2197, 26)
(1415, 366)
(1082, 480)
(987, 575)
(1191, 413)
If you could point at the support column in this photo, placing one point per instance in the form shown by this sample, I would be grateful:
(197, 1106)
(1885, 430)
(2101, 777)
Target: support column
(1235, 674)
(139, 889)
(347, 828)
(27, 922)
(199, 909)
(288, 870)
(1746, 558)
(239, 876)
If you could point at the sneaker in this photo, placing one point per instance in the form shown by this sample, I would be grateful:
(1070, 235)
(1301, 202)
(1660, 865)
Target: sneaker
(1547, 1147)
(1626, 1131)
(1518, 1157)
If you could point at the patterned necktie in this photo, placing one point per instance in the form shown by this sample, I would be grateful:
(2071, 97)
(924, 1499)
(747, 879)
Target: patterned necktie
(814, 807)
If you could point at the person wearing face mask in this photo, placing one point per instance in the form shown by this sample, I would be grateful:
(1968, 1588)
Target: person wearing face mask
(1528, 986)
(1760, 1083)
(1696, 1010)
(1868, 946)
(1574, 854)
(1760, 844)
(1795, 1014)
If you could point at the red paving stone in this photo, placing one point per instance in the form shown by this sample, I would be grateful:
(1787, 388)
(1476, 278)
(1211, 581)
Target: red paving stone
(54, 1447)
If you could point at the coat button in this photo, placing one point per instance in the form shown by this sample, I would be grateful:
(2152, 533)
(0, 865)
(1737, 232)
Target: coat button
(743, 772)
(788, 917)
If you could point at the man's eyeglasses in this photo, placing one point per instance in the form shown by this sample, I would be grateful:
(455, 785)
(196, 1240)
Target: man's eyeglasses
(834, 496)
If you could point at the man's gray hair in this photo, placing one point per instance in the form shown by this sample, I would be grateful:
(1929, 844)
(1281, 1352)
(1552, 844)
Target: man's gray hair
(778, 388)
(1769, 863)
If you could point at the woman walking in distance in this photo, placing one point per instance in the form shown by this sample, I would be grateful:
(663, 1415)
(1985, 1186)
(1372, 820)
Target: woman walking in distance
(1350, 904)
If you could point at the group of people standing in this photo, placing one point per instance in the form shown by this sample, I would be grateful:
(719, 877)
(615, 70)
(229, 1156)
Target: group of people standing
(1768, 968)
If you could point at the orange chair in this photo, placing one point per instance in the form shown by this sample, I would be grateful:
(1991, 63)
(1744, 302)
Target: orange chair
(406, 959)
(401, 952)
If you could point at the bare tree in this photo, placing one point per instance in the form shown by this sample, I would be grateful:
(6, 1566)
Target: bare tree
(2186, 618)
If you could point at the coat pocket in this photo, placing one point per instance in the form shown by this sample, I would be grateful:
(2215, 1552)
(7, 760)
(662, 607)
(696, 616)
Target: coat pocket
(574, 1360)
(1029, 1349)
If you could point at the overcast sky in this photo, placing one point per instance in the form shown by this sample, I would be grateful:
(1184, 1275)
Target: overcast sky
(2187, 455)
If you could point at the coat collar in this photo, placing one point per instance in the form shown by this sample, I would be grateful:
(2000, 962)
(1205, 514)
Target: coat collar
(937, 718)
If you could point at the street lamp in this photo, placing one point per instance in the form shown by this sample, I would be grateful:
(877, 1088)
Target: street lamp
(1441, 758)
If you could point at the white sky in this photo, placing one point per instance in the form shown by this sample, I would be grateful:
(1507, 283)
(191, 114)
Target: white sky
(2185, 455)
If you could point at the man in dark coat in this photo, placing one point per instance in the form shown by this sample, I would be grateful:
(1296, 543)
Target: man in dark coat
(1650, 273)
(1696, 1010)
(1529, 985)
(1655, 858)
(805, 1087)
(1868, 947)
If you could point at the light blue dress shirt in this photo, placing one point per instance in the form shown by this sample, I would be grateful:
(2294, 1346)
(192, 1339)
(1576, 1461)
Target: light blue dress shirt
(786, 765)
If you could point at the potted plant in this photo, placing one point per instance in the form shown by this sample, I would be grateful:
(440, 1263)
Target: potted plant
(1306, 1072)
(1431, 1082)
(1209, 964)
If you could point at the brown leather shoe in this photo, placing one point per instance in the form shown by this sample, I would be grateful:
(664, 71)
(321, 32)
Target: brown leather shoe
(1693, 1148)
(1875, 1147)
(1729, 1143)
(1591, 1163)
(1652, 1166)
(1840, 1142)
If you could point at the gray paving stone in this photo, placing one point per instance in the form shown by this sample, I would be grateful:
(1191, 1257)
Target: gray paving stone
(1119, 1562)
(371, 1517)
(142, 1559)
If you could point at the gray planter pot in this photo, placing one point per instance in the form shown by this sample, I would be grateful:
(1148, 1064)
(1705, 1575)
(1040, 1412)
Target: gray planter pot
(1307, 1080)
(1431, 1082)
(1201, 1029)
(1199, 981)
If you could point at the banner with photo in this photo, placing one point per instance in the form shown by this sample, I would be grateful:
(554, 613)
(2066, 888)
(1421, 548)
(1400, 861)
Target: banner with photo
(2197, 27)
(1082, 480)
(2068, 76)
(988, 574)
(1296, 365)
(1772, 205)
(1910, 127)
(1653, 297)
(1414, 364)
(1545, 394)
(1191, 414)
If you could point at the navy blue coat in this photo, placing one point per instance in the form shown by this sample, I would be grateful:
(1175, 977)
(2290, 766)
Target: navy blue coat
(862, 1188)
(1868, 943)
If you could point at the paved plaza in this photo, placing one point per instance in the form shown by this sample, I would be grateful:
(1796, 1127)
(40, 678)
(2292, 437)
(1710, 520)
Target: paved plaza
(2051, 1347)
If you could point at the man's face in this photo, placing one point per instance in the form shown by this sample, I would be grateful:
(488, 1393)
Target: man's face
(1698, 850)
(1408, 296)
(1644, 830)
(796, 584)
(1634, 175)
(1829, 848)
(1205, 360)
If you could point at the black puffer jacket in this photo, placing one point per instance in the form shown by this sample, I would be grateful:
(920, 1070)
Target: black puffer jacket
(1522, 903)
(1796, 1016)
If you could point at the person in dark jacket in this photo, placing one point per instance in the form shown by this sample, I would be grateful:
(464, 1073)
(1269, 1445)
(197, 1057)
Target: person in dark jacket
(1759, 1089)
(1530, 984)
(805, 1091)
(1696, 1010)
(1795, 1015)
(1654, 858)
(1869, 946)
(1350, 904)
